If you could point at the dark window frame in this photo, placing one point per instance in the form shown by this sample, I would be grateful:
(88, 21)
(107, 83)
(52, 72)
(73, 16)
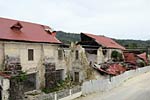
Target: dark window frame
(30, 54)
(60, 54)
(76, 76)
(59, 75)
(77, 54)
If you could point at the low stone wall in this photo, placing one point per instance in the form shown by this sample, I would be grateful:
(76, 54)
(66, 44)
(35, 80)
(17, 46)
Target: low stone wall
(103, 85)
(66, 94)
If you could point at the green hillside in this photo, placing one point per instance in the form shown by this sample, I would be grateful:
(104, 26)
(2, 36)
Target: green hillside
(67, 38)
(131, 44)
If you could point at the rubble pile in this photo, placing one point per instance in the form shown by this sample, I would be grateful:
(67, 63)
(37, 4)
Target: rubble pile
(131, 62)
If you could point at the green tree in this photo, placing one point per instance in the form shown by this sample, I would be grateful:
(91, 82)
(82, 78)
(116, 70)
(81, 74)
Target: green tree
(116, 56)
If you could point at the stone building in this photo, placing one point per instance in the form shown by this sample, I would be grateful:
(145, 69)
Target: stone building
(96, 50)
(99, 48)
(79, 65)
(31, 48)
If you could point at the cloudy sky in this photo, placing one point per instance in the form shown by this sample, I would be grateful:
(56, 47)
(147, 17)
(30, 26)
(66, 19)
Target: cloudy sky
(123, 19)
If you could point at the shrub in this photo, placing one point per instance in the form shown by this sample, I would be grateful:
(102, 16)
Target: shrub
(117, 56)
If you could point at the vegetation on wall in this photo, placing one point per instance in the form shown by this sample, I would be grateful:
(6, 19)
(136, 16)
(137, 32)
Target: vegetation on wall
(60, 85)
(22, 76)
(16, 86)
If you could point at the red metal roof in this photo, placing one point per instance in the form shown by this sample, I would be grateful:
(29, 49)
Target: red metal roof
(5, 75)
(105, 41)
(143, 56)
(112, 69)
(116, 69)
(29, 32)
(130, 57)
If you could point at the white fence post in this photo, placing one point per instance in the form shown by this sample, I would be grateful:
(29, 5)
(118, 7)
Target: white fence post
(70, 92)
(55, 96)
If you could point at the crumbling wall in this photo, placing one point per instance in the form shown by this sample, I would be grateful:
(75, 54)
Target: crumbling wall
(29, 84)
(12, 65)
(100, 56)
(1, 55)
(50, 75)
(81, 64)
(41, 50)
(4, 88)
(104, 55)
(16, 90)
(91, 57)
(20, 49)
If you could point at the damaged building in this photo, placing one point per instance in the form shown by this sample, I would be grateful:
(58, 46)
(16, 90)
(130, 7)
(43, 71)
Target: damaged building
(109, 57)
(99, 48)
(33, 49)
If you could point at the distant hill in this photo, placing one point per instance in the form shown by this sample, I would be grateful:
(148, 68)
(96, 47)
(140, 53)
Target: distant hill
(67, 38)
(132, 44)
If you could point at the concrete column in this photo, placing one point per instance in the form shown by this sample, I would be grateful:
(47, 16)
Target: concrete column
(37, 81)
(5, 95)
(41, 71)
(55, 98)
(100, 56)
(70, 92)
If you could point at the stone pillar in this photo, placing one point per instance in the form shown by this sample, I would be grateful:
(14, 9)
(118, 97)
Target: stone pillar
(100, 56)
(41, 71)
(41, 77)
(5, 89)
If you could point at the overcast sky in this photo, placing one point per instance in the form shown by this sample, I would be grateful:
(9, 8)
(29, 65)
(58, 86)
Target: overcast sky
(122, 19)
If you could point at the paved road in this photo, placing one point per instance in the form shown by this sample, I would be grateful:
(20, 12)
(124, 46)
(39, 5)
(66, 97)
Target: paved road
(137, 88)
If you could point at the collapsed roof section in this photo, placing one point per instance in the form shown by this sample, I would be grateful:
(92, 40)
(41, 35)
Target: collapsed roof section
(143, 56)
(103, 41)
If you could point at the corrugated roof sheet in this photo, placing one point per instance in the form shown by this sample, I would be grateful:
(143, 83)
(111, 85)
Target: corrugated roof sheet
(105, 41)
(130, 57)
(143, 56)
(29, 32)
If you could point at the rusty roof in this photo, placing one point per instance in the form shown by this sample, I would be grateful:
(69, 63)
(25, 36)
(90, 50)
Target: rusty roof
(105, 41)
(30, 32)
(130, 57)
(5, 75)
(143, 56)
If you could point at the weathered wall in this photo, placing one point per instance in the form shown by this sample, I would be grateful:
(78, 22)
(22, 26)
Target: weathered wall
(41, 51)
(101, 58)
(5, 86)
(21, 49)
(81, 64)
(1, 55)
(103, 85)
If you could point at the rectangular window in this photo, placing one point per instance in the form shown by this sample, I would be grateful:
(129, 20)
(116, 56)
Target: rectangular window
(30, 54)
(58, 75)
(77, 54)
(76, 76)
(60, 54)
